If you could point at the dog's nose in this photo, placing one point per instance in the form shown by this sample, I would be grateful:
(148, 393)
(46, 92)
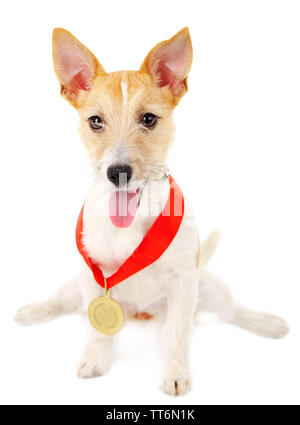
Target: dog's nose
(119, 175)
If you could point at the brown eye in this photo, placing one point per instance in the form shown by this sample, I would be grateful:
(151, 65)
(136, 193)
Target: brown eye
(96, 123)
(149, 120)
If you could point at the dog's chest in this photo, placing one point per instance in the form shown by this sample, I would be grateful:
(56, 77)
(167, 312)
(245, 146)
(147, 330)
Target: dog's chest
(106, 245)
(109, 250)
(110, 247)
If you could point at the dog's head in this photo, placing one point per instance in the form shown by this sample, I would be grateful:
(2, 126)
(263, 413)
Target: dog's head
(126, 118)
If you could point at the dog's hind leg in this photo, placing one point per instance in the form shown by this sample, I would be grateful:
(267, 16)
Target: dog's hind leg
(214, 296)
(67, 300)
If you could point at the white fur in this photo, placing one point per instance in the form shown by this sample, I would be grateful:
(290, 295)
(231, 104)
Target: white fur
(173, 285)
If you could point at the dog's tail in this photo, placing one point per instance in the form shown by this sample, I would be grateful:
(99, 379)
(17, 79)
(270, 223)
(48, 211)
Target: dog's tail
(208, 247)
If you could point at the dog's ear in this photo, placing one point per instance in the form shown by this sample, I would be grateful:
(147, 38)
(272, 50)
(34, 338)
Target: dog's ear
(75, 66)
(169, 63)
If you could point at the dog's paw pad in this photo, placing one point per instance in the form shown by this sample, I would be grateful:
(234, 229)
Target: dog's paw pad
(33, 314)
(176, 386)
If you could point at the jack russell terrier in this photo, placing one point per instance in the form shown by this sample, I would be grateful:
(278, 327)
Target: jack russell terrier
(141, 256)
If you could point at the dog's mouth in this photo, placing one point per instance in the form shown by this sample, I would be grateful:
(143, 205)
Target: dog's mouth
(123, 206)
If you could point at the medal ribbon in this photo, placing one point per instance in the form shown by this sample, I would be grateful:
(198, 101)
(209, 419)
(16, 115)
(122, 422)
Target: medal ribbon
(155, 243)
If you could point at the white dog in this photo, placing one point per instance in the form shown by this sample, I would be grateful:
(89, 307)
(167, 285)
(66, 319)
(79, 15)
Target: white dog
(126, 124)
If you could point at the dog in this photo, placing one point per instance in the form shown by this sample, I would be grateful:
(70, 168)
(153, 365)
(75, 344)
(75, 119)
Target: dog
(126, 124)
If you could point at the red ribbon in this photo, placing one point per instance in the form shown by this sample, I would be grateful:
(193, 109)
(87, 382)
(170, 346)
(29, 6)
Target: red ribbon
(155, 243)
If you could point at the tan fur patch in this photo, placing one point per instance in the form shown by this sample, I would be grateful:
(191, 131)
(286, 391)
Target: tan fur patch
(122, 120)
(143, 316)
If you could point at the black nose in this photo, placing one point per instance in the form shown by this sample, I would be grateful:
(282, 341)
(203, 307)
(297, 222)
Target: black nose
(119, 175)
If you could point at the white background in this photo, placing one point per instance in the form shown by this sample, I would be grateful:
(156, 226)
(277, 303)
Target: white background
(236, 156)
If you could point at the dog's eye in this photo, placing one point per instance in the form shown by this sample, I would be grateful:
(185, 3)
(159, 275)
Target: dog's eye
(96, 123)
(149, 120)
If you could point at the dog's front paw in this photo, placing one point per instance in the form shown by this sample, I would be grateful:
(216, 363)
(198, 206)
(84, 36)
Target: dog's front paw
(35, 313)
(176, 386)
(94, 362)
(92, 367)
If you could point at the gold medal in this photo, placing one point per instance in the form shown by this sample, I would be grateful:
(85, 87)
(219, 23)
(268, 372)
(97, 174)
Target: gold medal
(106, 315)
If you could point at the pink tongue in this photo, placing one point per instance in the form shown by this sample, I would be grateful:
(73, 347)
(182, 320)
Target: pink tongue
(122, 207)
